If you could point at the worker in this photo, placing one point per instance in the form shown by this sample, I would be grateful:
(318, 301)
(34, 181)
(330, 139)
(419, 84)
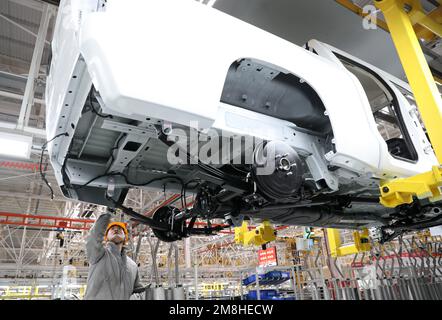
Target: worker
(112, 274)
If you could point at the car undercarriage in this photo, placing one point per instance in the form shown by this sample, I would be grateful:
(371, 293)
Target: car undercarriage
(256, 128)
(289, 195)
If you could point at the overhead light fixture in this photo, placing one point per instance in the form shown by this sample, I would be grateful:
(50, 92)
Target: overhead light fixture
(15, 146)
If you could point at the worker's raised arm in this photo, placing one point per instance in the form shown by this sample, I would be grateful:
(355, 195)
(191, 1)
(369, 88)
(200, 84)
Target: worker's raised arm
(94, 244)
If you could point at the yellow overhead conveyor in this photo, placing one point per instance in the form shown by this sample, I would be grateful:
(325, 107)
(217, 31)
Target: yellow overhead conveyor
(426, 27)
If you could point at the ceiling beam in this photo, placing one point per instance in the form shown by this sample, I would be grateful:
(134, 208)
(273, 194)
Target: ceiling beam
(14, 64)
(18, 25)
(36, 5)
(16, 96)
(32, 196)
(10, 127)
(52, 2)
(28, 98)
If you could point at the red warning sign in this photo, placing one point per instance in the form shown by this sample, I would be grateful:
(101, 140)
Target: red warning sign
(267, 257)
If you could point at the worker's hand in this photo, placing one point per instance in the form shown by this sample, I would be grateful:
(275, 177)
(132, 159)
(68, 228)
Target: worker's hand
(139, 290)
(112, 211)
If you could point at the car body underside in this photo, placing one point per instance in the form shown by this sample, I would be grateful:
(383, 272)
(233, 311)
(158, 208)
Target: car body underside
(251, 127)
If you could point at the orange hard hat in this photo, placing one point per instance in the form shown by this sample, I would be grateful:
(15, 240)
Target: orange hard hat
(122, 225)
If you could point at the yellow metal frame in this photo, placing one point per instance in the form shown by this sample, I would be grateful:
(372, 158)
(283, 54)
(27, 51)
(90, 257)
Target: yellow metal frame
(417, 15)
(428, 99)
(423, 186)
(262, 234)
(425, 26)
(23, 292)
(361, 243)
(213, 286)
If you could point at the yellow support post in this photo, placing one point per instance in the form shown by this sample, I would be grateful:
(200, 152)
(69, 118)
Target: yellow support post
(334, 241)
(428, 99)
(260, 235)
(82, 291)
(360, 243)
(416, 68)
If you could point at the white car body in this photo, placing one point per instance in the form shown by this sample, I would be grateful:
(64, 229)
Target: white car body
(166, 61)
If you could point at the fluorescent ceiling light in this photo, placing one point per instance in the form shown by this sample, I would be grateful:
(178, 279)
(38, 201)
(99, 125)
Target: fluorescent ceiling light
(14, 145)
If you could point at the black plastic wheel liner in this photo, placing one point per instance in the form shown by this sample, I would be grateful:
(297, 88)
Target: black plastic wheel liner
(261, 88)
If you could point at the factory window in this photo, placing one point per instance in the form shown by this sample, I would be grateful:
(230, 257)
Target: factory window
(385, 108)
